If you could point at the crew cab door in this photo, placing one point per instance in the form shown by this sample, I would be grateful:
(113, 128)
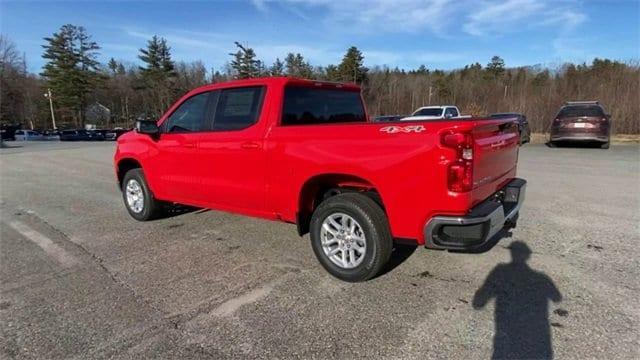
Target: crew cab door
(232, 156)
(174, 161)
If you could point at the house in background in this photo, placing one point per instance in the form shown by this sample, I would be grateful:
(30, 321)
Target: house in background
(98, 114)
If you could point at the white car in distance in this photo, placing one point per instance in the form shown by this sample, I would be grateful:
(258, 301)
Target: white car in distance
(435, 113)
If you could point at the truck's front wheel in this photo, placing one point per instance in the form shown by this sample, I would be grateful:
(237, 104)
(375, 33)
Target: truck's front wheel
(138, 198)
(350, 236)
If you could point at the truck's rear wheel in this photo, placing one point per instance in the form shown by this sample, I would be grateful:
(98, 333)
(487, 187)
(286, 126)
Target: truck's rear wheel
(350, 236)
(138, 198)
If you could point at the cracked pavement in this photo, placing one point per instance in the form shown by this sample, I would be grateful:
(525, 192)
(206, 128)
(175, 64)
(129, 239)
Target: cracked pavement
(81, 279)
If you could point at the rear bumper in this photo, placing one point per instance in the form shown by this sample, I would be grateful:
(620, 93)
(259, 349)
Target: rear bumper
(569, 135)
(481, 224)
(581, 137)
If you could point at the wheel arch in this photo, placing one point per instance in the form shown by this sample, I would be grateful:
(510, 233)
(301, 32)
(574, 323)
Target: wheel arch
(322, 186)
(124, 165)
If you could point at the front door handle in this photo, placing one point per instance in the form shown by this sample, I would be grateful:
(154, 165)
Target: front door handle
(250, 145)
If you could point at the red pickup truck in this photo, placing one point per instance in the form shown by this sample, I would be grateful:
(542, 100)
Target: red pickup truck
(304, 152)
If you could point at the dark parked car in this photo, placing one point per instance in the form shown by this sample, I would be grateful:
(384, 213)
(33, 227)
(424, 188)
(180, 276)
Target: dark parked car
(109, 135)
(523, 124)
(69, 135)
(581, 121)
(386, 118)
(8, 131)
(96, 135)
(74, 135)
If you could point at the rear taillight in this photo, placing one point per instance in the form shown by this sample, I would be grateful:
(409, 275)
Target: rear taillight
(460, 171)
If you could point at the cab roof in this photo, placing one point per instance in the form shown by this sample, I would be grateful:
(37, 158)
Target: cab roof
(278, 81)
(435, 107)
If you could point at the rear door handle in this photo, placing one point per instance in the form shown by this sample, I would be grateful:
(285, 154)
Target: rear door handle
(250, 145)
(190, 145)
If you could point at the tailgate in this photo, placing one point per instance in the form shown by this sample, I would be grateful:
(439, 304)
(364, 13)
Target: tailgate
(496, 145)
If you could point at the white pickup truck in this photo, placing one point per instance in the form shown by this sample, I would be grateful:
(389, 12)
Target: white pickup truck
(436, 113)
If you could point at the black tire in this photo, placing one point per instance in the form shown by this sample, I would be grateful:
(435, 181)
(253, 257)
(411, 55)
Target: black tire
(605, 145)
(373, 221)
(151, 208)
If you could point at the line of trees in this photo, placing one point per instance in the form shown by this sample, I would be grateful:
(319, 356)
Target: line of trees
(145, 90)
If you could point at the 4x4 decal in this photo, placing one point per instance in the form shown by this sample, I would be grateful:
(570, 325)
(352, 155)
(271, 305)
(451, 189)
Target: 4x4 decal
(403, 129)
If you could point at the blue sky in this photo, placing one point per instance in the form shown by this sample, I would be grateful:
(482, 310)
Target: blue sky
(442, 34)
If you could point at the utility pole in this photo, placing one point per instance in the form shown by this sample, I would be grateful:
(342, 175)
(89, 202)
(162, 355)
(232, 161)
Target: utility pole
(53, 116)
(430, 93)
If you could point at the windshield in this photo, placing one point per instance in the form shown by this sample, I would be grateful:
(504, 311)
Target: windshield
(428, 112)
(577, 111)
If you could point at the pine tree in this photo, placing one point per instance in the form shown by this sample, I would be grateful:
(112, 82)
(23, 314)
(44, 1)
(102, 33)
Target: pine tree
(351, 68)
(277, 69)
(113, 66)
(495, 68)
(296, 66)
(158, 74)
(333, 73)
(244, 63)
(422, 70)
(72, 71)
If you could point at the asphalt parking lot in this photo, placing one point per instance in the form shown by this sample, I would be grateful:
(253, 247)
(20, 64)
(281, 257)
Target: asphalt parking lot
(81, 279)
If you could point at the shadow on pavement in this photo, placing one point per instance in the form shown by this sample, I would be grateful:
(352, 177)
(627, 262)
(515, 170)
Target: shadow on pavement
(521, 307)
(172, 210)
(400, 254)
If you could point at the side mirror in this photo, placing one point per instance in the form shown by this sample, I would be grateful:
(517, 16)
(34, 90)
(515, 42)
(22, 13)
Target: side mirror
(448, 116)
(148, 127)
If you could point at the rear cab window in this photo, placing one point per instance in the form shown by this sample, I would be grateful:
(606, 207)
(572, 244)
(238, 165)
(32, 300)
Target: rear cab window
(305, 105)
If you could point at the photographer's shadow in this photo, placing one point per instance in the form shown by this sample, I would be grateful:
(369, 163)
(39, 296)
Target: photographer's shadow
(522, 307)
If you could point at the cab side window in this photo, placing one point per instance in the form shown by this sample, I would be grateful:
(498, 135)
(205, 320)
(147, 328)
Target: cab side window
(190, 116)
(238, 108)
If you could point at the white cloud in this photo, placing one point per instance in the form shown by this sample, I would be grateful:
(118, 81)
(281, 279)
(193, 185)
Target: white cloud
(475, 17)
(495, 17)
(182, 38)
(215, 47)
(374, 15)
(500, 17)
(261, 5)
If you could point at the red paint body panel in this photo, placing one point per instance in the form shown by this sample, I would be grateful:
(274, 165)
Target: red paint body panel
(261, 170)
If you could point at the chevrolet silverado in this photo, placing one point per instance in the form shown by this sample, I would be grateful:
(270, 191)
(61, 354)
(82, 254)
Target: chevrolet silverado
(304, 152)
